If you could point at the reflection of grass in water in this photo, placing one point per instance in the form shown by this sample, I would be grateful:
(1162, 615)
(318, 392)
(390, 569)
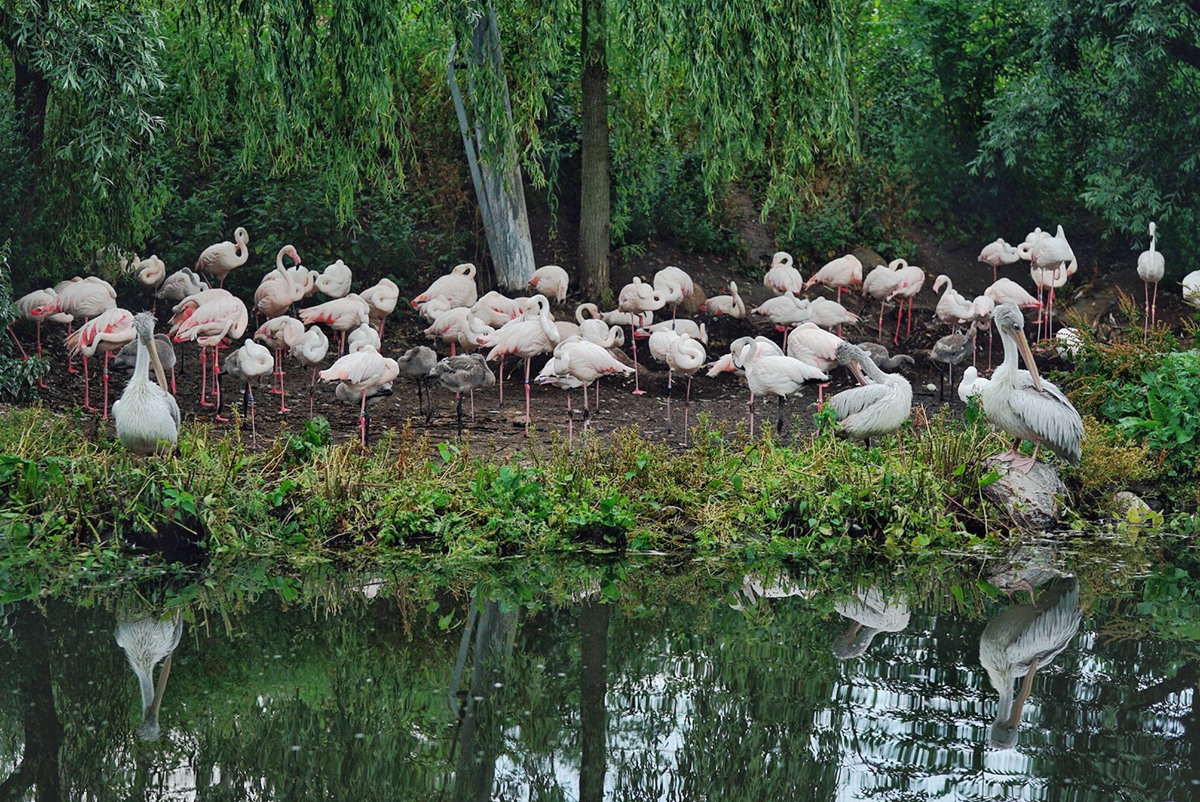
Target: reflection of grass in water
(70, 504)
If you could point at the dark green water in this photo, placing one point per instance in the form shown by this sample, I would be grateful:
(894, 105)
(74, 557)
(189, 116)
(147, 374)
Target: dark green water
(647, 690)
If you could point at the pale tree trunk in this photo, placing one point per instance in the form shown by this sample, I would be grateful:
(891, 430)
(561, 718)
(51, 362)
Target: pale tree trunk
(594, 202)
(496, 173)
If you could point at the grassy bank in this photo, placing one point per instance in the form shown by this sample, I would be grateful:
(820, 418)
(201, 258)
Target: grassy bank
(66, 499)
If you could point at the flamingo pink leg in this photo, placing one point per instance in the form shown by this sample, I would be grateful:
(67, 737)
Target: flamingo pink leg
(173, 382)
(899, 317)
(87, 401)
(669, 374)
(204, 402)
(526, 396)
(453, 343)
(1154, 306)
(311, 387)
(908, 326)
(637, 387)
(283, 407)
(71, 357)
(362, 420)
(21, 348)
(1146, 319)
(570, 421)
(105, 382)
(500, 372)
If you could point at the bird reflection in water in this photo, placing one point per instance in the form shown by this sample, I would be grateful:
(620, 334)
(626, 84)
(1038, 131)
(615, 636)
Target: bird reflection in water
(871, 613)
(757, 586)
(1018, 642)
(147, 640)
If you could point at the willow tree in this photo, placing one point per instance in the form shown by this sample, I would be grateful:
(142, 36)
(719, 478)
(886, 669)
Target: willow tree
(79, 118)
(761, 93)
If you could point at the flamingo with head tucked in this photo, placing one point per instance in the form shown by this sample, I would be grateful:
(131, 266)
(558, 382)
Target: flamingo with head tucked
(731, 304)
(457, 288)
(340, 314)
(279, 334)
(335, 280)
(636, 299)
(684, 357)
(310, 349)
(675, 285)
(381, 300)
(209, 318)
(248, 363)
(362, 370)
(998, 253)
(551, 281)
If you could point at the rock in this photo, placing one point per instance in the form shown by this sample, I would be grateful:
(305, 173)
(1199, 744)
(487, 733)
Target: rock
(1031, 499)
(1131, 507)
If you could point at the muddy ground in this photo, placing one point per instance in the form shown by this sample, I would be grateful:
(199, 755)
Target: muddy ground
(499, 429)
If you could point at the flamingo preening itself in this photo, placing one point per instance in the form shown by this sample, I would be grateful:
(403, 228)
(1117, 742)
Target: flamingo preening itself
(218, 260)
(551, 281)
(783, 278)
(362, 370)
(310, 350)
(636, 299)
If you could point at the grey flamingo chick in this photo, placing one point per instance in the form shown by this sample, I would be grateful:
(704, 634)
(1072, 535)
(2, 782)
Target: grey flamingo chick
(417, 363)
(126, 359)
(951, 350)
(463, 374)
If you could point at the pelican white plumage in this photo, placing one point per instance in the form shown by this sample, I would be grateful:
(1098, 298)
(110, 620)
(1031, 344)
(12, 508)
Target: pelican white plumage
(1150, 268)
(126, 359)
(146, 640)
(1018, 642)
(879, 406)
(872, 613)
(146, 415)
(1023, 404)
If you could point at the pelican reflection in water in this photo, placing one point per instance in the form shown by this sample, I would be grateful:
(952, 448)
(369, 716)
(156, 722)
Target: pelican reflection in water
(1018, 642)
(871, 614)
(147, 640)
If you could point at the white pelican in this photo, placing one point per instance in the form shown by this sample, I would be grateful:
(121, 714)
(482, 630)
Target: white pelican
(879, 406)
(146, 414)
(1023, 404)
(146, 640)
(1021, 640)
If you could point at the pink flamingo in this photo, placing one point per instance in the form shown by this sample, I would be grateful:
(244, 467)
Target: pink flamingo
(362, 371)
(219, 259)
(551, 281)
(586, 363)
(998, 253)
(684, 357)
(912, 279)
(780, 376)
(381, 300)
(82, 299)
(335, 280)
(731, 304)
(456, 288)
(279, 334)
(525, 339)
(845, 271)
(636, 299)
(103, 334)
(1150, 268)
(340, 314)
(880, 282)
(675, 285)
(310, 350)
(209, 318)
(782, 277)
(815, 347)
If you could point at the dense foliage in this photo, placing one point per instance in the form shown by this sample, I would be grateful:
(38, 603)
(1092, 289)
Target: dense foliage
(159, 127)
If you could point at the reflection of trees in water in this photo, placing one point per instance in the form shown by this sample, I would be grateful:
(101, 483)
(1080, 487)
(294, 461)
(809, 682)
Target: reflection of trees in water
(42, 732)
(696, 701)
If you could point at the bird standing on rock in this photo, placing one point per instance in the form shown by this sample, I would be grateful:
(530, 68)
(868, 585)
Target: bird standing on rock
(1025, 405)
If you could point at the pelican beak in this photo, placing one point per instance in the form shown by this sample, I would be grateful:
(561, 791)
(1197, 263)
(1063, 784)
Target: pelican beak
(159, 373)
(856, 369)
(1014, 720)
(1027, 356)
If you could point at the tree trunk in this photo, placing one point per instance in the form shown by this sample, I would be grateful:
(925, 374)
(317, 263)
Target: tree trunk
(594, 202)
(496, 172)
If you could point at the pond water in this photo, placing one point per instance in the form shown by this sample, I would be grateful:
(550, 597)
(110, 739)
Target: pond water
(683, 686)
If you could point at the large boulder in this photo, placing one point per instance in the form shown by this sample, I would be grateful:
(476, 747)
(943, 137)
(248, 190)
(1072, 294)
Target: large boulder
(1031, 500)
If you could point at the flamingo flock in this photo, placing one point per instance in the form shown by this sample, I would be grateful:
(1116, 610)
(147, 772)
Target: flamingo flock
(483, 331)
